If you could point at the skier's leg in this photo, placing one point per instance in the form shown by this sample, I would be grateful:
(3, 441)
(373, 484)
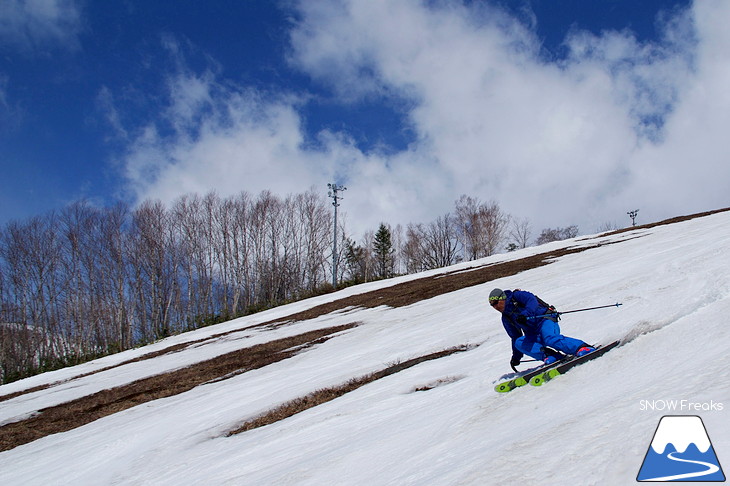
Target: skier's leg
(529, 346)
(550, 336)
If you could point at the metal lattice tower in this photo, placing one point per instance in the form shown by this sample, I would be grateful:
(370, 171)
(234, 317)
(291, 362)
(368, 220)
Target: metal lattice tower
(334, 189)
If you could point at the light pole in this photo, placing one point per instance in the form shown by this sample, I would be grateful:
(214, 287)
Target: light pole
(334, 189)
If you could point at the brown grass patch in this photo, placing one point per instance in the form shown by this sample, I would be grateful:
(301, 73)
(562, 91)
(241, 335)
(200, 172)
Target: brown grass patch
(172, 349)
(438, 383)
(87, 409)
(324, 395)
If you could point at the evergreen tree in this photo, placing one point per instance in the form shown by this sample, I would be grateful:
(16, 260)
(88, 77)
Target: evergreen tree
(383, 250)
(356, 259)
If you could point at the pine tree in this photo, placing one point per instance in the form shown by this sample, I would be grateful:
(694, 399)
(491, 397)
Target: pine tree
(356, 261)
(383, 249)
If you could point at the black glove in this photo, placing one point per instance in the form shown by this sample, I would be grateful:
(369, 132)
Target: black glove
(514, 362)
(521, 320)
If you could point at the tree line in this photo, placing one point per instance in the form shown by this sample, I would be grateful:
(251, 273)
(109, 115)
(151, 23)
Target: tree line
(87, 281)
(474, 229)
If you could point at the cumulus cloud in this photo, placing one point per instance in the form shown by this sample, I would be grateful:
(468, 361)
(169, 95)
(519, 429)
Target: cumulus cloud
(211, 135)
(615, 125)
(689, 170)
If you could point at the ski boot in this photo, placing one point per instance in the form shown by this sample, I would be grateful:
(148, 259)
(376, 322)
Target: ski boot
(583, 350)
(551, 356)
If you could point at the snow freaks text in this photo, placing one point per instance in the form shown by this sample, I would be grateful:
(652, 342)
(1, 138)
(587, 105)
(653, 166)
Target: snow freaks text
(680, 406)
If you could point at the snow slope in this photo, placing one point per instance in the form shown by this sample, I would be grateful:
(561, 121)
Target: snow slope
(591, 426)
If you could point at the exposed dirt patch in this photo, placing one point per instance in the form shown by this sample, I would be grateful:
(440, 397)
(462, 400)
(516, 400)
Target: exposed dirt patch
(84, 410)
(170, 349)
(318, 397)
(437, 383)
(413, 291)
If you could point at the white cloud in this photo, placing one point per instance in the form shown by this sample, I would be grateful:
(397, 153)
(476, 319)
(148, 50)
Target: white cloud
(560, 143)
(240, 142)
(615, 126)
(39, 24)
(690, 170)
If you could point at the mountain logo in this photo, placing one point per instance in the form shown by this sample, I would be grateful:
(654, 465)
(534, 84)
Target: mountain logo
(681, 451)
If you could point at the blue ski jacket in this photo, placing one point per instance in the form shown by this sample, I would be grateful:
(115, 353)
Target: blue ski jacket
(518, 317)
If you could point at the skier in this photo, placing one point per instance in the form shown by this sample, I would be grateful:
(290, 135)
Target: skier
(532, 332)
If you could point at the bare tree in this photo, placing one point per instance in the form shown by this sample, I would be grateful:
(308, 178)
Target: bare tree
(398, 238)
(90, 280)
(469, 227)
(154, 257)
(413, 251)
(607, 226)
(265, 237)
(315, 221)
(481, 227)
(432, 246)
(32, 253)
(368, 246)
(193, 225)
(557, 234)
(80, 309)
(113, 263)
(520, 232)
(442, 242)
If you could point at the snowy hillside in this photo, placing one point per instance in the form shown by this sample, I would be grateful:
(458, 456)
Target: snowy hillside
(432, 421)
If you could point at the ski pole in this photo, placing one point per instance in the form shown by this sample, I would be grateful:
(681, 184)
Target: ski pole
(522, 361)
(575, 310)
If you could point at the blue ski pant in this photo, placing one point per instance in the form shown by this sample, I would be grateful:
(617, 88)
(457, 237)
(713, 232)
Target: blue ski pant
(549, 335)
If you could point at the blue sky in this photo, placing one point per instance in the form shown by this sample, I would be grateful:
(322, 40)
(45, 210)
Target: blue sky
(563, 111)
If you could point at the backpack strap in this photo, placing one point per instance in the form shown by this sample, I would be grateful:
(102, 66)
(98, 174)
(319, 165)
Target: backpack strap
(550, 308)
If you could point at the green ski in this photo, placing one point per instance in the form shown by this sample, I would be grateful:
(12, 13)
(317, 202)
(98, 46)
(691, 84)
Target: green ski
(524, 379)
(564, 366)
